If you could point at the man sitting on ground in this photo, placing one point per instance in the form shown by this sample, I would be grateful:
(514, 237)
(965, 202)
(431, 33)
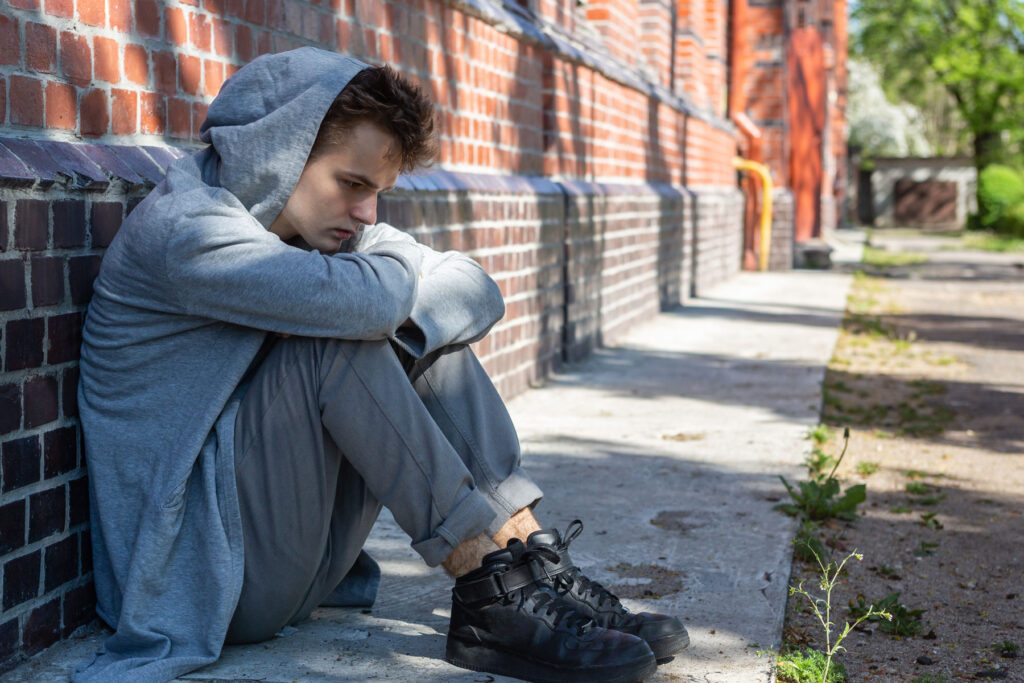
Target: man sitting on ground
(264, 366)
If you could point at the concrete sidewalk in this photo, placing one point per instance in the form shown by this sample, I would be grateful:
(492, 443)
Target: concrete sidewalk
(668, 447)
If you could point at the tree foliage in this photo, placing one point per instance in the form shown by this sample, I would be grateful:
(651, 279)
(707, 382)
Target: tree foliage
(973, 48)
(878, 126)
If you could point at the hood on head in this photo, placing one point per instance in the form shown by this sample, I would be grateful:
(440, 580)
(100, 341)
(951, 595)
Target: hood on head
(264, 121)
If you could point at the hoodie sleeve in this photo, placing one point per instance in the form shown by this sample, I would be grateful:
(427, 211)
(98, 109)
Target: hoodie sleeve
(457, 301)
(221, 264)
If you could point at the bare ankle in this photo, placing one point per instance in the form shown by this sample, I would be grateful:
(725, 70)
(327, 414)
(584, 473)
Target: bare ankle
(520, 525)
(468, 555)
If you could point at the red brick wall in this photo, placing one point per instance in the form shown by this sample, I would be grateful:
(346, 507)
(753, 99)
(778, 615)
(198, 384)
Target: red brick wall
(656, 19)
(837, 35)
(592, 184)
(701, 53)
(560, 13)
(765, 32)
(764, 87)
(619, 23)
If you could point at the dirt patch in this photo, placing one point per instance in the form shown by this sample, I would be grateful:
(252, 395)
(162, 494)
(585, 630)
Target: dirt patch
(684, 436)
(675, 520)
(929, 376)
(648, 581)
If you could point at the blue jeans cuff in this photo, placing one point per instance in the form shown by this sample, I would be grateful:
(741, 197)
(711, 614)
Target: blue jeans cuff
(469, 518)
(514, 493)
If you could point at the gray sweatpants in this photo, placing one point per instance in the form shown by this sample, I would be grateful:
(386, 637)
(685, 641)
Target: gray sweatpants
(329, 430)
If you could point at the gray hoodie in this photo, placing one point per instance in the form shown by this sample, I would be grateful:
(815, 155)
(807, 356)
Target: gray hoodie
(185, 296)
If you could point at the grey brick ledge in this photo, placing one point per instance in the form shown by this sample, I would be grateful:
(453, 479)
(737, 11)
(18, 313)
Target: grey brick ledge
(38, 163)
(28, 163)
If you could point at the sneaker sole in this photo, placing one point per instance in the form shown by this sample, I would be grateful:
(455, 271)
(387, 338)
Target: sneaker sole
(664, 648)
(480, 657)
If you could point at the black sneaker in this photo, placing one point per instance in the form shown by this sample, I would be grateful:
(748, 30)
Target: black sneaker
(504, 622)
(548, 553)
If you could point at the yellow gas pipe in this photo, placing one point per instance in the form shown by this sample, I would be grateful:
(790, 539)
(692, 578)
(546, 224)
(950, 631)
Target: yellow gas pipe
(766, 205)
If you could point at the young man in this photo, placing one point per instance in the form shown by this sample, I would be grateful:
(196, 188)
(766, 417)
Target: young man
(264, 366)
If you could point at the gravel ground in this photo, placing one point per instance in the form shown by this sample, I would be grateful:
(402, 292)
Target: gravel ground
(929, 375)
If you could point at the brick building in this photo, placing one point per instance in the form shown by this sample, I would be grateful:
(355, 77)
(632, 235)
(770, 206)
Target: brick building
(586, 162)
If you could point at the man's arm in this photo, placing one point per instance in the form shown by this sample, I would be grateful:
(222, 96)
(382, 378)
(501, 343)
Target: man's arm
(457, 301)
(247, 276)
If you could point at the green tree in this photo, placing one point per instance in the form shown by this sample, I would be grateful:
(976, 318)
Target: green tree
(973, 48)
(877, 125)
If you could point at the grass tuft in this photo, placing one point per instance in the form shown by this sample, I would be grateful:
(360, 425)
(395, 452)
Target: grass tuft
(882, 258)
(807, 666)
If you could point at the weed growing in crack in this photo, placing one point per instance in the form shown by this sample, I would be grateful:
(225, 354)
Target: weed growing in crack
(899, 621)
(866, 469)
(925, 549)
(927, 387)
(818, 498)
(886, 572)
(819, 462)
(807, 546)
(821, 606)
(820, 434)
(807, 666)
(929, 678)
(1007, 649)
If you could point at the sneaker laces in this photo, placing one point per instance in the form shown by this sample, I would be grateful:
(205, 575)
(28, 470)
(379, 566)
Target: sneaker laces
(588, 589)
(550, 603)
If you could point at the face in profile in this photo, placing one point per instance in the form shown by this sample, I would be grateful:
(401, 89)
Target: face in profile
(337, 191)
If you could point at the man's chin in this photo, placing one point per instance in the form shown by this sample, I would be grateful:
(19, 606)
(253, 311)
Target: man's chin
(347, 244)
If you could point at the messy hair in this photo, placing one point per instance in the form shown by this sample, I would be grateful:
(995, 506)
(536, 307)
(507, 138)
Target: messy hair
(381, 96)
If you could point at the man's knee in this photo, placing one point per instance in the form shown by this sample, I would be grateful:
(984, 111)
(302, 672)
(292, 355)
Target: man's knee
(323, 354)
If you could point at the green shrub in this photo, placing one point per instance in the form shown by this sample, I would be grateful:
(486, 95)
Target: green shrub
(1000, 189)
(974, 221)
(1013, 222)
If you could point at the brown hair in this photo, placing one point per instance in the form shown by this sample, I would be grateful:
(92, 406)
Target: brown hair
(381, 96)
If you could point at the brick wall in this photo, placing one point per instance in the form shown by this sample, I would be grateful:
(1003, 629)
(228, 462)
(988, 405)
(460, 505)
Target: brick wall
(765, 94)
(765, 89)
(618, 21)
(625, 252)
(592, 181)
(51, 243)
(701, 51)
(514, 226)
(836, 158)
(655, 41)
(718, 247)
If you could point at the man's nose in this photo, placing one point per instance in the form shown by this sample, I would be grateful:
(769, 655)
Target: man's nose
(366, 210)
